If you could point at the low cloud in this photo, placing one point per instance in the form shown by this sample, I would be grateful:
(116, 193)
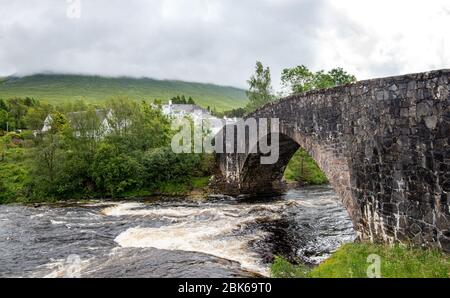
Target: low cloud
(219, 41)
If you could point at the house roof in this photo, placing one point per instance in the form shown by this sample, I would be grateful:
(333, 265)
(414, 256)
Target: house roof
(187, 108)
(100, 113)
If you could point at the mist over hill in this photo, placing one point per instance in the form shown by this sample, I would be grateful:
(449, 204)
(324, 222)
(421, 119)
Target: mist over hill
(56, 88)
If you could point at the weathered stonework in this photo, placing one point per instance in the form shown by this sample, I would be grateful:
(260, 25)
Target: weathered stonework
(384, 145)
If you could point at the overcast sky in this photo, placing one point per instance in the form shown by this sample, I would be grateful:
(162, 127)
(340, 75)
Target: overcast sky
(219, 41)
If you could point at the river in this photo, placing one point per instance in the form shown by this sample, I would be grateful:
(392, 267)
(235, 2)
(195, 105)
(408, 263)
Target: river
(218, 236)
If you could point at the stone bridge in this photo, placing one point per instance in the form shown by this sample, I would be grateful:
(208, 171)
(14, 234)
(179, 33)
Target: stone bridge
(384, 145)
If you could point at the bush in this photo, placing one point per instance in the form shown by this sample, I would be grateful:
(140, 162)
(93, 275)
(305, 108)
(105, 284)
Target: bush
(163, 165)
(115, 172)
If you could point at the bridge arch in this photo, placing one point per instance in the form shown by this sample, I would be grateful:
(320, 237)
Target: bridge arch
(384, 145)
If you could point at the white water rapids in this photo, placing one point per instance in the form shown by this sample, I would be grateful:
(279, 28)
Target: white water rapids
(215, 237)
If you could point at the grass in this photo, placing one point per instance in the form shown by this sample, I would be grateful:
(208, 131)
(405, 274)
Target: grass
(281, 268)
(351, 261)
(56, 89)
(303, 169)
(200, 182)
(182, 188)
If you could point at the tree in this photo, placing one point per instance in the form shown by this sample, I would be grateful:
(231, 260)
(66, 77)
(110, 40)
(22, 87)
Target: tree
(59, 123)
(260, 90)
(3, 119)
(3, 105)
(137, 126)
(182, 100)
(238, 113)
(17, 110)
(3, 148)
(35, 116)
(300, 79)
(47, 161)
(114, 171)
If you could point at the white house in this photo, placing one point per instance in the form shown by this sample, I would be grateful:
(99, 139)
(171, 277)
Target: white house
(198, 114)
(75, 120)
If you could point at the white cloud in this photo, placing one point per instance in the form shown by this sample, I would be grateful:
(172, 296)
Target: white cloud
(219, 40)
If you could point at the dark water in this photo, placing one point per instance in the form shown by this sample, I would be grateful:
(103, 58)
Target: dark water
(216, 237)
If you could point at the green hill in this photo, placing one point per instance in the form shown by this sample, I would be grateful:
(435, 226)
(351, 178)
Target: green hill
(56, 88)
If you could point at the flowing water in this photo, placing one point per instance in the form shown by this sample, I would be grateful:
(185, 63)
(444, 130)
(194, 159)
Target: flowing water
(218, 236)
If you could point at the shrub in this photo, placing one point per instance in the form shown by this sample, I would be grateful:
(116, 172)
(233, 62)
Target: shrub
(115, 172)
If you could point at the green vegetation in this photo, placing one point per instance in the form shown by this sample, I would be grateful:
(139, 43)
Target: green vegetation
(20, 113)
(300, 79)
(14, 172)
(182, 100)
(303, 169)
(260, 88)
(82, 157)
(282, 268)
(351, 261)
(57, 89)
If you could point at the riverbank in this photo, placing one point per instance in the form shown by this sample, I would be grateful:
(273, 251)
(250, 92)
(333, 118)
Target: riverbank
(353, 261)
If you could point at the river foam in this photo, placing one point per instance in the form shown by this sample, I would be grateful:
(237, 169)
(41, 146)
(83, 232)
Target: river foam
(213, 231)
(171, 237)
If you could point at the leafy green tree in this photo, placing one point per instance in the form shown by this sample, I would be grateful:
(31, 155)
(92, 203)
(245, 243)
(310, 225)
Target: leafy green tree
(300, 79)
(341, 77)
(115, 172)
(3, 148)
(59, 123)
(48, 158)
(182, 100)
(137, 127)
(35, 116)
(3, 119)
(260, 89)
(3, 105)
(150, 128)
(17, 110)
(238, 113)
(161, 164)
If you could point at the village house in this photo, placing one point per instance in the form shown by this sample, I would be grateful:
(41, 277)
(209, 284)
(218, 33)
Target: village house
(198, 114)
(174, 111)
(100, 128)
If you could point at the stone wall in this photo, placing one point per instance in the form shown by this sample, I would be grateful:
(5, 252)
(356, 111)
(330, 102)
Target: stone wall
(384, 146)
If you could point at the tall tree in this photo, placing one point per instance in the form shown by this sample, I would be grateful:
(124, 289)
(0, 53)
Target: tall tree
(17, 110)
(3, 119)
(3, 105)
(300, 79)
(260, 87)
(35, 116)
